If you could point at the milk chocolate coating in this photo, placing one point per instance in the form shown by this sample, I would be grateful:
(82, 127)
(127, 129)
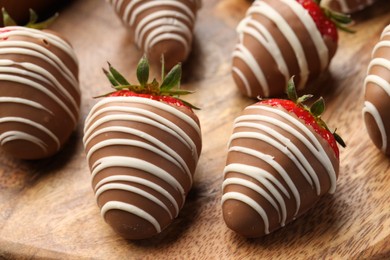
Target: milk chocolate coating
(142, 154)
(277, 40)
(276, 169)
(376, 109)
(39, 92)
(160, 27)
(19, 10)
(347, 6)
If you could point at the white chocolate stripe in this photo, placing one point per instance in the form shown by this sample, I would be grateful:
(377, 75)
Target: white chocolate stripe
(386, 31)
(112, 205)
(382, 62)
(380, 82)
(315, 35)
(371, 109)
(38, 34)
(264, 37)
(26, 102)
(160, 105)
(319, 152)
(147, 137)
(262, 176)
(166, 33)
(47, 54)
(123, 161)
(135, 118)
(32, 124)
(293, 151)
(128, 188)
(144, 6)
(246, 56)
(277, 145)
(135, 143)
(17, 135)
(144, 182)
(243, 79)
(253, 204)
(145, 24)
(381, 44)
(254, 187)
(39, 87)
(266, 10)
(151, 115)
(37, 73)
(270, 161)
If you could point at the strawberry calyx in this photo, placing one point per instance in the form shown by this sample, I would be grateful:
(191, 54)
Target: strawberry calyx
(32, 23)
(327, 21)
(168, 91)
(310, 115)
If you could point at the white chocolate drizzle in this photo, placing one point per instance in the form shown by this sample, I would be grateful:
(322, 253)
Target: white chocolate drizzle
(174, 22)
(381, 82)
(250, 26)
(124, 109)
(32, 76)
(265, 126)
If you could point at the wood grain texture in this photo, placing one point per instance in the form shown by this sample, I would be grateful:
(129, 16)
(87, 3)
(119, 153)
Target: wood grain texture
(47, 208)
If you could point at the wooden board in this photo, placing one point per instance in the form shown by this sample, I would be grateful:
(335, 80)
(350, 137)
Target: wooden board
(47, 208)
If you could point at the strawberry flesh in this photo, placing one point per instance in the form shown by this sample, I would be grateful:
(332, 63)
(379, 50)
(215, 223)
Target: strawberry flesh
(3, 30)
(307, 117)
(166, 99)
(325, 26)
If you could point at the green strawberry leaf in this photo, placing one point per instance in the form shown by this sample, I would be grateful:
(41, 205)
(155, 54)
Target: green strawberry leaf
(143, 71)
(188, 104)
(42, 25)
(291, 91)
(318, 107)
(117, 76)
(172, 79)
(339, 139)
(7, 20)
(112, 80)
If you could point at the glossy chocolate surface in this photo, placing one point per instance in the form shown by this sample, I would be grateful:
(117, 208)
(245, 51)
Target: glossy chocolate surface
(276, 169)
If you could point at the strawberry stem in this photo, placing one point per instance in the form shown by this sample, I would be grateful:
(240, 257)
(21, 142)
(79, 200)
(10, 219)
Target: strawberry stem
(170, 85)
(316, 109)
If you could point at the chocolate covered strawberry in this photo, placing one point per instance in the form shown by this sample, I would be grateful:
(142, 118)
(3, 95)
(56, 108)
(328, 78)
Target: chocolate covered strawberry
(160, 27)
(142, 145)
(282, 38)
(39, 90)
(282, 158)
(376, 110)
